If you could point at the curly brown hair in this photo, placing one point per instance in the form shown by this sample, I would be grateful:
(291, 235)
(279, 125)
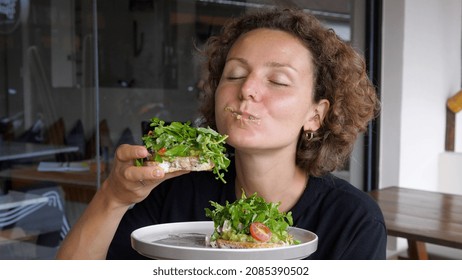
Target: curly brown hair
(340, 76)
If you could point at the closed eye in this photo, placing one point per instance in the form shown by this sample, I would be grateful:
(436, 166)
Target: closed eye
(279, 83)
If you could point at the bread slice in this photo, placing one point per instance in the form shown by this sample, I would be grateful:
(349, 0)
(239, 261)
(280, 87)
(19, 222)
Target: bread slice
(183, 163)
(227, 244)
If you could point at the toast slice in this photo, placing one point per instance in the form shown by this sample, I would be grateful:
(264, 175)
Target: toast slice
(227, 244)
(182, 163)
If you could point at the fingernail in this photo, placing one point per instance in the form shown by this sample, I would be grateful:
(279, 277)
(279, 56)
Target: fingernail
(158, 172)
(140, 153)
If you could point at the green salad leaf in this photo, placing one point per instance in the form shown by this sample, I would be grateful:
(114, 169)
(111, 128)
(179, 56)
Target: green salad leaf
(165, 142)
(240, 214)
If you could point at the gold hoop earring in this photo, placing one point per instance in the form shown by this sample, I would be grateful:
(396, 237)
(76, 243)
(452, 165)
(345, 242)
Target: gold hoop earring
(309, 135)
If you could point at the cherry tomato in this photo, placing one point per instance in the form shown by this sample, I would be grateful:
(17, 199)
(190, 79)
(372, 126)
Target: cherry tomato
(260, 232)
(162, 151)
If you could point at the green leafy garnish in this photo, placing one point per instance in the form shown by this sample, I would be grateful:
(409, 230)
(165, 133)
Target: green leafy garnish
(166, 142)
(240, 214)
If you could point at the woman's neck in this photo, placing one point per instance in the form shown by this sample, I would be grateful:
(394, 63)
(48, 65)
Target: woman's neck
(274, 178)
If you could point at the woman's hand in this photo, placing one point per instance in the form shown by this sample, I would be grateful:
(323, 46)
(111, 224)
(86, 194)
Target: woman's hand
(91, 236)
(127, 183)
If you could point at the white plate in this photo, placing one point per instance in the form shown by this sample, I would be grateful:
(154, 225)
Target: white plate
(186, 241)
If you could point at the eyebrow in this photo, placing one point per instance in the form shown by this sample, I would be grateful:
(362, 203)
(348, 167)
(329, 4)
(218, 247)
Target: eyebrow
(272, 64)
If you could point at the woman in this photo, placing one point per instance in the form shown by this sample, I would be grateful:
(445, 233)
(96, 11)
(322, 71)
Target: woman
(292, 97)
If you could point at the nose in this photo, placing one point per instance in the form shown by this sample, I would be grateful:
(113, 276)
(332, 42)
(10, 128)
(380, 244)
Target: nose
(250, 90)
(248, 94)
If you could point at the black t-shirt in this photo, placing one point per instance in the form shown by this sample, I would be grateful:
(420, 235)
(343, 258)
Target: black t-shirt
(348, 223)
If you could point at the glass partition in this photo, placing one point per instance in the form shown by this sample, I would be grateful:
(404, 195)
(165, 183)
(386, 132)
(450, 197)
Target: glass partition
(78, 78)
(48, 162)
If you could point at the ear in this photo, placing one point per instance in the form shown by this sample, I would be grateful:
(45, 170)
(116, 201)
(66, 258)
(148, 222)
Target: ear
(319, 113)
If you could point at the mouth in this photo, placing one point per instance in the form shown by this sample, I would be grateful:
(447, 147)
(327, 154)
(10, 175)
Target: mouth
(242, 116)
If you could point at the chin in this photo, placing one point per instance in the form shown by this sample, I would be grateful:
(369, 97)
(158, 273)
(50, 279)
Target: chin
(239, 141)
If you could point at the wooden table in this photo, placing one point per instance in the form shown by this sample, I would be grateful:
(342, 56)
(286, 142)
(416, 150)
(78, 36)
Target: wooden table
(78, 186)
(421, 217)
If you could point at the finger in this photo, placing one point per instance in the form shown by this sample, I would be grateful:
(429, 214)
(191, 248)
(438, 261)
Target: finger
(151, 173)
(137, 173)
(127, 152)
(158, 172)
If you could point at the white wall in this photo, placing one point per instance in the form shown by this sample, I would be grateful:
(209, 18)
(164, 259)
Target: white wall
(421, 70)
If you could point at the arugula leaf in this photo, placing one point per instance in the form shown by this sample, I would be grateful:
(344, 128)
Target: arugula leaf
(178, 139)
(243, 212)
